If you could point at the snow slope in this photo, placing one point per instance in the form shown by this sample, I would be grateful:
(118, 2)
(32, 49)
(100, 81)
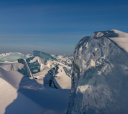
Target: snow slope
(21, 95)
(100, 74)
(9, 94)
(9, 84)
(12, 66)
(61, 78)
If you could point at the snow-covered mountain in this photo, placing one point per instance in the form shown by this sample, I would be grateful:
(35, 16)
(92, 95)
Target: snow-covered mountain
(49, 70)
(33, 84)
(100, 74)
(40, 65)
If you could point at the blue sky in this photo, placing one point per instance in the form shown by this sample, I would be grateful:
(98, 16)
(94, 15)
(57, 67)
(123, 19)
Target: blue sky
(55, 26)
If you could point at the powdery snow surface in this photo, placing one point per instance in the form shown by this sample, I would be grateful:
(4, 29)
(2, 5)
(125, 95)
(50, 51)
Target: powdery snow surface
(62, 79)
(8, 94)
(9, 85)
(43, 77)
(21, 95)
(12, 66)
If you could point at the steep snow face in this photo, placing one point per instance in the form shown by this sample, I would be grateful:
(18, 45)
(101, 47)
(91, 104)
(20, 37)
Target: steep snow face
(62, 79)
(100, 74)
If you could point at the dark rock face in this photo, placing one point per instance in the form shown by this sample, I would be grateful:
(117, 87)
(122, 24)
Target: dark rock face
(100, 75)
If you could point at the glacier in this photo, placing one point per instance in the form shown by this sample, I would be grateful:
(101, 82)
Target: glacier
(100, 74)
(11, 57)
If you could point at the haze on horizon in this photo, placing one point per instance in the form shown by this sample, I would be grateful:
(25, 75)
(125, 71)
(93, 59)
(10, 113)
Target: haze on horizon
(56, 26)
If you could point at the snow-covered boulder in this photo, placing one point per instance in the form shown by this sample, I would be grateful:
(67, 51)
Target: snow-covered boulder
(100, 74)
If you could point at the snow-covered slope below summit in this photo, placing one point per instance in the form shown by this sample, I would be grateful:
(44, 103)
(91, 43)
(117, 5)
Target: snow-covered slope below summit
(8, 94)
(12, 66)
(100, 74)
(9, 85)
(12, 77)
(21, 95)
(62, 79)
(47, 70)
